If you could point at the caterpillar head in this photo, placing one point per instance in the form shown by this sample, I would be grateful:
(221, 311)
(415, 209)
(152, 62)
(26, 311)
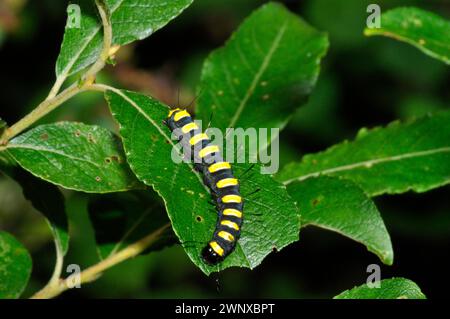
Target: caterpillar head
(210, 256)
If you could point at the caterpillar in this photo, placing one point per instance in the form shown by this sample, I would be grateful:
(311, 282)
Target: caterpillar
(218, 177)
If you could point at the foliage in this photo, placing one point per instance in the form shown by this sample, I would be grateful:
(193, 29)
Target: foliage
(425, 30)
(395, 288)
(258, 79)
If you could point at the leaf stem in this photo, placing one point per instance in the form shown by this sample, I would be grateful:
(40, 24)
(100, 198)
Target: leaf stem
(56, 87)
(107, 51)
(94, 272)
(58, 265)
(54, 280)
(101, 87)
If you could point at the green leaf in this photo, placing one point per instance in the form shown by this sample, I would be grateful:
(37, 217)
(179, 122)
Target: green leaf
(15, 267)
(271, 63)
(131, 20)
(395, 288)
(124, 218)
(400, 157)
(48, 200)
(341, 206)
(425, 30)
(75, 156)
(269, 213)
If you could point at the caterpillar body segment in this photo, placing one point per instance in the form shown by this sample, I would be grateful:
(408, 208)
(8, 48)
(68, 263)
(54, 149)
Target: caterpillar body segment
(218, 176)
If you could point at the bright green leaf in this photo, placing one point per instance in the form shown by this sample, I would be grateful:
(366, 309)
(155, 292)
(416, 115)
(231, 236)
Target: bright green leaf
(124, 218)
(264, 73)
(341, 206)
(134, 20)
(400, 157)
(75, 156)
(269, 213)
(395, 288)
(48, 200)
(131, 20)
(15, 267)
(425, 30)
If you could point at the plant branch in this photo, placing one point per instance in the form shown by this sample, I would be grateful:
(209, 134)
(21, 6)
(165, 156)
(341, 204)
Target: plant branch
(95, 271)
(54, 99)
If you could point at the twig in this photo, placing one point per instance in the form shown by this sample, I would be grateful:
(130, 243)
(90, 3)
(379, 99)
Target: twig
(94, 272)
(54, 99)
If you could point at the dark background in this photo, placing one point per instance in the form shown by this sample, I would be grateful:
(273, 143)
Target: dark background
(364, 82)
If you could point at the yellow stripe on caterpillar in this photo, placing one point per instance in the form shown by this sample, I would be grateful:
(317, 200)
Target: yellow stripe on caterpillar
(232, 212)
(219, 166)
(225, 235)
(227, 182)
(216, 247)
(232, 199)
(189, 127)
(208, 150)
(197, 138)
(180, 115)
(173, 111)
(229, 224)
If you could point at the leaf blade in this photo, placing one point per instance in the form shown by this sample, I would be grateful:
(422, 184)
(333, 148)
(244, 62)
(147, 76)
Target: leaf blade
(425, 30)
(149, 147)
(75, 156)
(131, 20)
(15, 267)
(271, 61)
(339, 205)
(395, 288)
(381, 160)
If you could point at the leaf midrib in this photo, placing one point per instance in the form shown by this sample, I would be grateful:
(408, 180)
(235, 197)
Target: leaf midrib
(368, 163)
(52, 151)
(264, 65)
(75, 57)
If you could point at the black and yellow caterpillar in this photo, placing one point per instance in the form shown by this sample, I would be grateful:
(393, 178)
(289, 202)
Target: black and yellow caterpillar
(218, 176)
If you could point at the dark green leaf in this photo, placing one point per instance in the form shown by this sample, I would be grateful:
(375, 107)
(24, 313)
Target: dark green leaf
(264, 73)
(147, 141)
(15, 267)
(401, 157)
(124, 218)
(131, 20)
(341, 206)
(395, 288)
(425, 30)
(6, 160)
(3, 126)
(75, 156)
(49, 200)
